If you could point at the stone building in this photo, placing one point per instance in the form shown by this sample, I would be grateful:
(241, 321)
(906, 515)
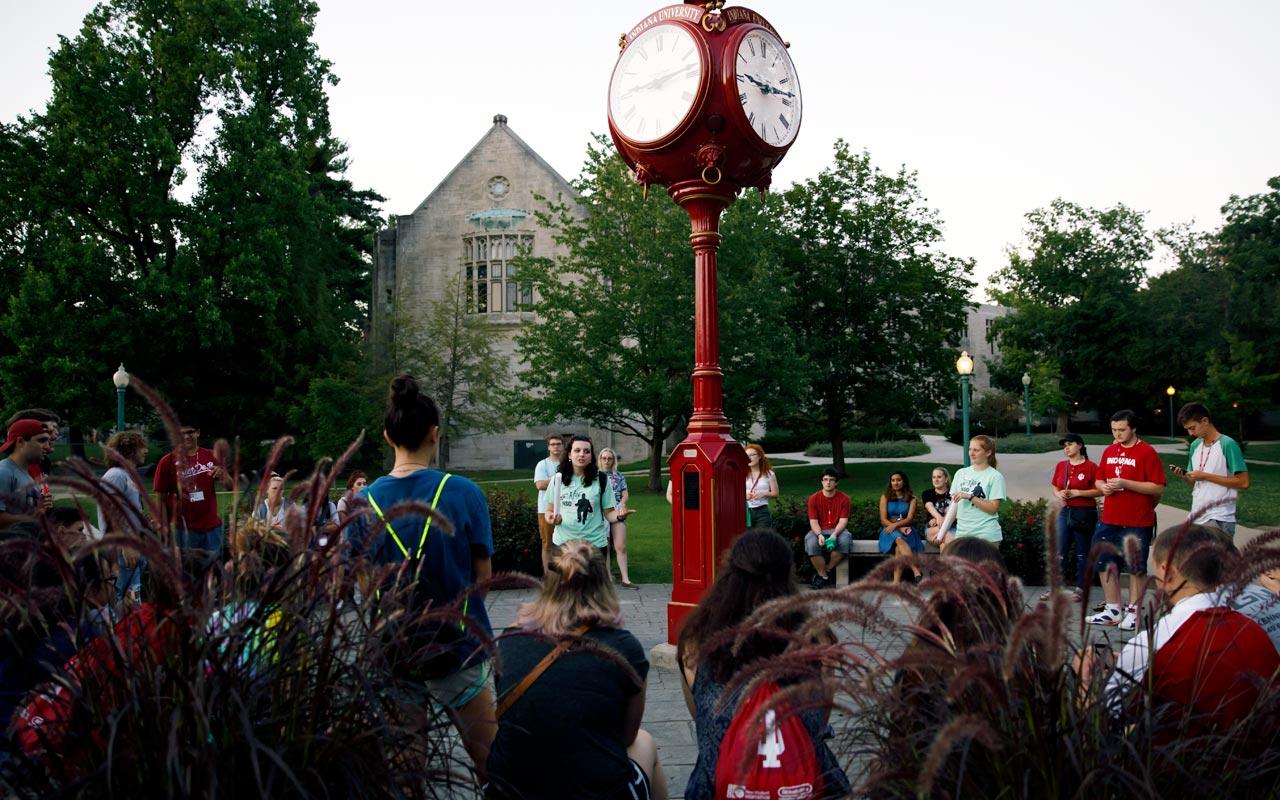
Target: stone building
(470, 226)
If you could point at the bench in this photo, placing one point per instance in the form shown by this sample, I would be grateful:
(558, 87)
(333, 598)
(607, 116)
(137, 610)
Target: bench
(870, 548)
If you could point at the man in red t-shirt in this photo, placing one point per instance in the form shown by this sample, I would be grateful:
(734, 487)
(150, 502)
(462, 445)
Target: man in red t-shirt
(1131, 479)
(828, 535)
(185, 480)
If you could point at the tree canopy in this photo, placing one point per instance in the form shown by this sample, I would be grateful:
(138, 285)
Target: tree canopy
(180, 206)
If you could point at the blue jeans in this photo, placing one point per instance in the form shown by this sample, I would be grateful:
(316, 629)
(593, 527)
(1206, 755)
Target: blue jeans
(203, 540)
(1076, 527)
(130, 578)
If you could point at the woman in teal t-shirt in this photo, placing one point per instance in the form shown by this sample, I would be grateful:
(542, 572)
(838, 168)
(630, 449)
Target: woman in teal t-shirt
(579, 501)
(978, 490)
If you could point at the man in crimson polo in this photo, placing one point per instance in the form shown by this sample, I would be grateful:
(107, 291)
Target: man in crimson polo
(1131, 478)
(186, 480)
(828, 536)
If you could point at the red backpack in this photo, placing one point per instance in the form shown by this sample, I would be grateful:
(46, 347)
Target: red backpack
(769, 758)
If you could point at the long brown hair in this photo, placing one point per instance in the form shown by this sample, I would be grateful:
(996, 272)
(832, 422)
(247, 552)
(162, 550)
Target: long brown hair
(758, 568)
(905, 494)
(577, 591)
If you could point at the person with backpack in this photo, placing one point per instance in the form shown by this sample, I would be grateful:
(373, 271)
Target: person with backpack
(440, 570)
(783, 750)
(580, 503)
(571, 693)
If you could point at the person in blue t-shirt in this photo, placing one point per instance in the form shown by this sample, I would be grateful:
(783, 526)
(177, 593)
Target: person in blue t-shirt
(448, 565)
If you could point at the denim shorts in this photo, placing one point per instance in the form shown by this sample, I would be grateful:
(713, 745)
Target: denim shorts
(456, 690)
(1115, 535)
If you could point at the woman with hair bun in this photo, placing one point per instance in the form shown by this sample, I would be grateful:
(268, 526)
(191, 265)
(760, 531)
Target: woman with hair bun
(443, 568)
(571, 691)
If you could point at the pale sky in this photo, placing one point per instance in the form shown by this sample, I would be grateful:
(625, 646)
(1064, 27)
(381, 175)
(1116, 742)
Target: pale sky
(1169, 106)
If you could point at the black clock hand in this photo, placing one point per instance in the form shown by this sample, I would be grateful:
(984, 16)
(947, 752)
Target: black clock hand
(762, 86)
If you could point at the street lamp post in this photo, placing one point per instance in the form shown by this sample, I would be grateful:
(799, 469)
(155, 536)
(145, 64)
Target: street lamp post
(121, 380)
(1026, 399)
(964, 366)
(1171, 392)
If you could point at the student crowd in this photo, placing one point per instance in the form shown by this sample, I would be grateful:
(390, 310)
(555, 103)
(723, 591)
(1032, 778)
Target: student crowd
(555, 709)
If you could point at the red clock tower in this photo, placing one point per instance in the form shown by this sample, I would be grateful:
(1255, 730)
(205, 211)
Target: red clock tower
(705, 101)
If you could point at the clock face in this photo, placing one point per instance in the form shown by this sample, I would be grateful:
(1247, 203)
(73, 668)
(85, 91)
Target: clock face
(656, 83)
(768, 88)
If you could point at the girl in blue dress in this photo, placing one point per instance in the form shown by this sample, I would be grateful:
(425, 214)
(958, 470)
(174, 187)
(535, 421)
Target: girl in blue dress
(899, 533)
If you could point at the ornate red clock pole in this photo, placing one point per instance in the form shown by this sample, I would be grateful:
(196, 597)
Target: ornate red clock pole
(704, 100)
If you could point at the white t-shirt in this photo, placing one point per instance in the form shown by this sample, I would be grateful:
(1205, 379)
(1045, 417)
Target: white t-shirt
(543, 472)
(1224, 458)
(762, 485)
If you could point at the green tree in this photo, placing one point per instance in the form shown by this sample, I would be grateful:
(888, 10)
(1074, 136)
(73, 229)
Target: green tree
(1236, 385)
(245, 290)
(451, 353)
(1249, 247)
(614, 340)
(875, 306)
(1073, 295)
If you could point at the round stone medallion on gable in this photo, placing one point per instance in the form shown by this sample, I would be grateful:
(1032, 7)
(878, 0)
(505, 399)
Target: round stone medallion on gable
(499, 187)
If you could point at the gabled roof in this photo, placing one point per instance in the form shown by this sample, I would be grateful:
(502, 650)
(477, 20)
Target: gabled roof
(500, 128)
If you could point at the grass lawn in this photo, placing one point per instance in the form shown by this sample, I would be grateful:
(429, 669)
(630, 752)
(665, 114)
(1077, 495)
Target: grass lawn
(1048, 442)
(1263, 452)
(649, 529)
(1258, 506)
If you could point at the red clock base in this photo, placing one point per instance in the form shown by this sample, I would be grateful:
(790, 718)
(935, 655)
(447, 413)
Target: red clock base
(708, 511)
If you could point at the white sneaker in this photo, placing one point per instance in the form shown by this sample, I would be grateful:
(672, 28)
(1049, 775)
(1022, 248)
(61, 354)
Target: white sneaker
(1130, 621)
(1107, 616)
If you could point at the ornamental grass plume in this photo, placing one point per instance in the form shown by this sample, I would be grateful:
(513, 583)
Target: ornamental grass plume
(958, 688)
(252, 676)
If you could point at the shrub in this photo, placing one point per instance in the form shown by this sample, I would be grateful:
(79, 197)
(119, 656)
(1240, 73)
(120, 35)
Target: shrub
(516, 546)
(900, 448)
(1022, 524)
(1035, 443)
(257, 676)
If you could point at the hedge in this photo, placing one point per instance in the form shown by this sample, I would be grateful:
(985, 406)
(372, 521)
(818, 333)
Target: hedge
(516, 545)
(896, 448)
(1021, 522)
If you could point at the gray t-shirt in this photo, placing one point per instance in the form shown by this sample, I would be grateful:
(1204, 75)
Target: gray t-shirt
(18, 492)
(131, 498)
(1259, 605)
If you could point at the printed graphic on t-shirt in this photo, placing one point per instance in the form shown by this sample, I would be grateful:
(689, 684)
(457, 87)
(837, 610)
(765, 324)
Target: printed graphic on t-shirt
(584, 509)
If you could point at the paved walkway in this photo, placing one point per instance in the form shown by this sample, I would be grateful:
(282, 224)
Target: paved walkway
(644, 613)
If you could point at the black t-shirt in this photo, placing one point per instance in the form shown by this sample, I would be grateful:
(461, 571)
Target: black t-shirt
(564, 736)
(941, 501)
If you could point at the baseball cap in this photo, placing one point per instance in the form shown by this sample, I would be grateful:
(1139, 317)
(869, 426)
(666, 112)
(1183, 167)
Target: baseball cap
(1071, 437)
(22, 429)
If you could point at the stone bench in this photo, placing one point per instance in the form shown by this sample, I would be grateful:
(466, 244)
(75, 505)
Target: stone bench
(870, 548)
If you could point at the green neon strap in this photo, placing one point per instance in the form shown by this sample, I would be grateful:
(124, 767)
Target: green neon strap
(426, 527)
(422, 542)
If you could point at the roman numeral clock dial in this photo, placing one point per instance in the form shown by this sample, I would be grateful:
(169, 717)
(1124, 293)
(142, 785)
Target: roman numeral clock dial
(768, 89)
(656, 83)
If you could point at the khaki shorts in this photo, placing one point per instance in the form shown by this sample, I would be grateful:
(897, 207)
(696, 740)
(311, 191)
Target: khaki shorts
(456, 690)
(545, 529)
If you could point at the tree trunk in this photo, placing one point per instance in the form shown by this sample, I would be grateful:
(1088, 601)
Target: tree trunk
(655, 464)
(836, 437)
(1062, 423)
(75, 437)
(655, 452)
